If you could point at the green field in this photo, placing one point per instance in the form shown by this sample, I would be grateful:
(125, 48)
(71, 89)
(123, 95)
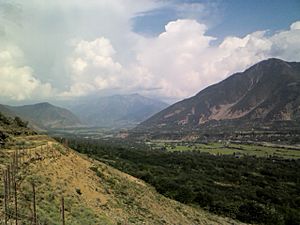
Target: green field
(215, 148)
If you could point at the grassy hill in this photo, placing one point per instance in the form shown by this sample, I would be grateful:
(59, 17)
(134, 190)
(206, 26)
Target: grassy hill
(93, 192)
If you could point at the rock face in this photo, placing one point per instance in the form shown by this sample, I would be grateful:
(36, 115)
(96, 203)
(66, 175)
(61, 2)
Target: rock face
(43, 115)
(267, 92)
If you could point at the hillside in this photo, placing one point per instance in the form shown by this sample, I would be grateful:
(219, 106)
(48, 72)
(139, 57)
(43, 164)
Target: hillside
(116, 111)
(43, 116)
(93, 192)
(265, 93)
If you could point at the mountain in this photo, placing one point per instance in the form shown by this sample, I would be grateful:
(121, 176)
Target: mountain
(266, 93)
(43, 115)
(117, 110)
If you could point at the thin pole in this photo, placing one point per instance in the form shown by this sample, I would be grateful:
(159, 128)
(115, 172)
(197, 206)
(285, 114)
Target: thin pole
(17, 159)
(34, 206)
(5, 197)
(8, 181)
(63, 210)
(16, 204)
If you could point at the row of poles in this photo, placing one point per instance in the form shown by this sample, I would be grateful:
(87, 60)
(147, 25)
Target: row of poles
(12, 183)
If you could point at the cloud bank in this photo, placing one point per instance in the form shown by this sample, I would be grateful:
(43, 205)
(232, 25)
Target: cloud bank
(179, 62)
(68, 49)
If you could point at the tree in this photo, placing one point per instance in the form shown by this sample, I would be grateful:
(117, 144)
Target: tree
(20, 122)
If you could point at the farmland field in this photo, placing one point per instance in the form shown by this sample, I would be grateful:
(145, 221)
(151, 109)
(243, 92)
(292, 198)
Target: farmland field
(260, 150)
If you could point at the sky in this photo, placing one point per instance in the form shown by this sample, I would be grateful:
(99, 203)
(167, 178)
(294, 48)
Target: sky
(164, 49)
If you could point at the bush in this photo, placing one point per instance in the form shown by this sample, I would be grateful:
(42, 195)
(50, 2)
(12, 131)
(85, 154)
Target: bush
(19, 122)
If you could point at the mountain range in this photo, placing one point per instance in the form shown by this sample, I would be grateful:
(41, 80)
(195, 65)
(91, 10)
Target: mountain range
(116, 111)
(265, 93)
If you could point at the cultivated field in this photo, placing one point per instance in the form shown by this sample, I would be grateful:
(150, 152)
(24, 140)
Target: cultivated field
(223, 148)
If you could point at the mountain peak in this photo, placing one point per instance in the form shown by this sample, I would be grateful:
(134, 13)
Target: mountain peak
(43, 104)
(271, 62)
(137, 95)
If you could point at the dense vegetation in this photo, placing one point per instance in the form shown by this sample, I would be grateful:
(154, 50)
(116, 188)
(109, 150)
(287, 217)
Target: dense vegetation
(250, 189)
(12, 126)
(16, 121)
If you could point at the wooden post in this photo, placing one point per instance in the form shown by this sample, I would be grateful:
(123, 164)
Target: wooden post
(16, 204)
(17, 159)
(34, 206)
(14, 162)
(5, 196)
(13, 173)
(63, 210)
(20, 158)
(14, 169)
(8, 181)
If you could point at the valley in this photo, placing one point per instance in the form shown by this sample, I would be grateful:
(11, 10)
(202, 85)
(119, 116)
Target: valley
(150, 112)
(256, 184)
(86, 132)
(93, 191)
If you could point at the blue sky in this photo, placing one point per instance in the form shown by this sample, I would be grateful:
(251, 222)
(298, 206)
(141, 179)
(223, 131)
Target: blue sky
(227, 17)
(165, 49)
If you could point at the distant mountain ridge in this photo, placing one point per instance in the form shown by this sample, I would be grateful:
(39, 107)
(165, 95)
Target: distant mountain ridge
(117, 110)
(267, 92)
(43, 116)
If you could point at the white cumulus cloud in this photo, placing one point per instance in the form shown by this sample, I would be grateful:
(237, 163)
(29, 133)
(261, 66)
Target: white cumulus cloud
(93, 67)
(177, 63)
(17, 81)
(183, 59)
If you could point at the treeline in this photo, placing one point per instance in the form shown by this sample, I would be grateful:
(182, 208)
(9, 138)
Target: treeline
(12, 126)
(17, 121)
(250, 189)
